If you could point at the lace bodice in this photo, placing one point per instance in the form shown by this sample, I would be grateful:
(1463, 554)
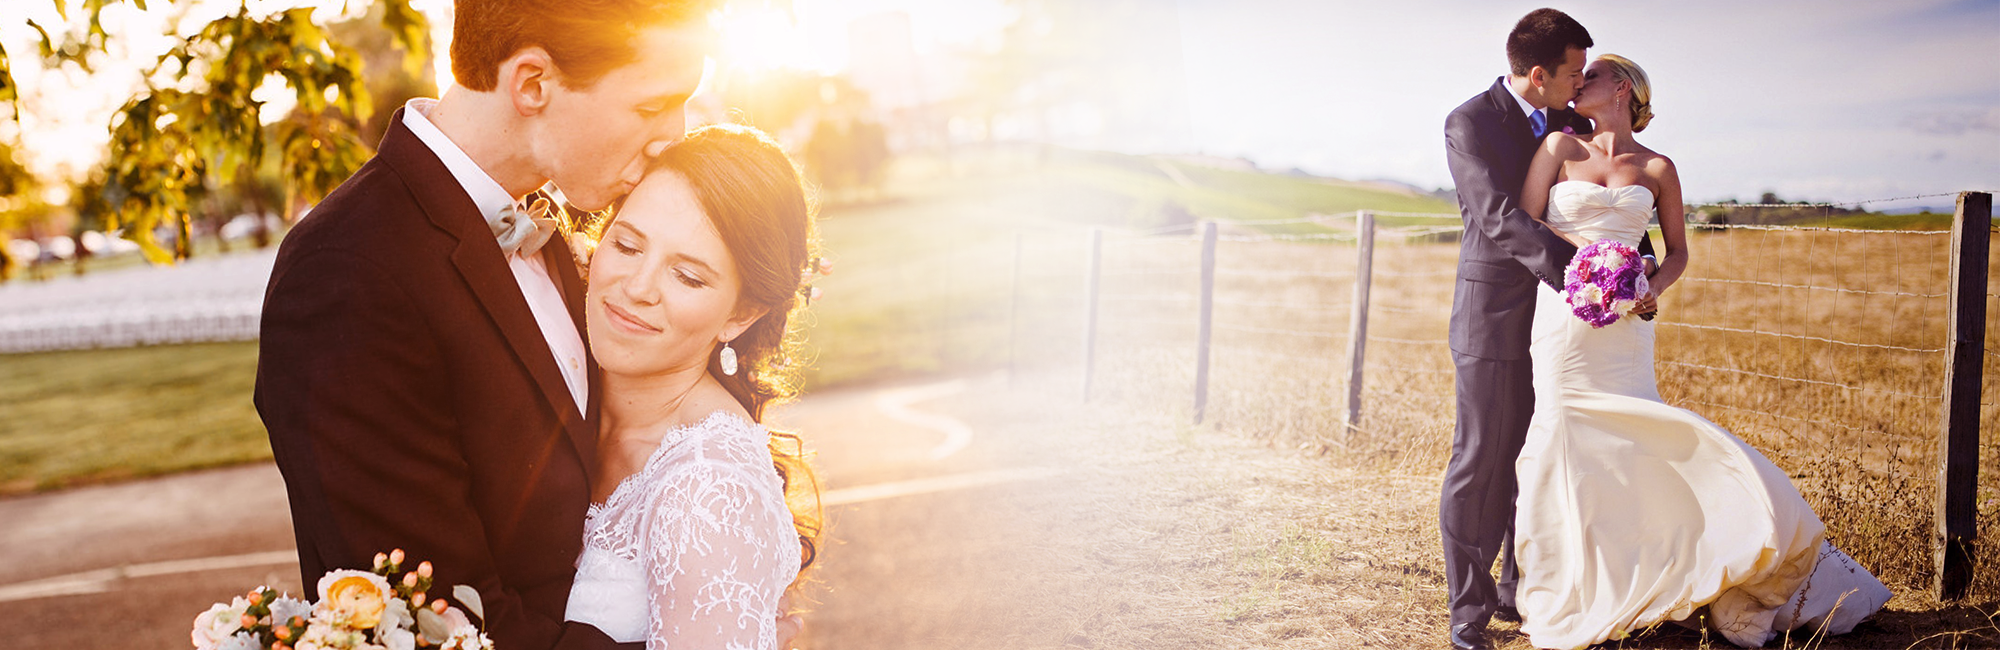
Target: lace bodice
(694, 550)
(1597, 212)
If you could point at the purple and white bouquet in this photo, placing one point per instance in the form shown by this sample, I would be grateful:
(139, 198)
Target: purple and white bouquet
(1604, 282)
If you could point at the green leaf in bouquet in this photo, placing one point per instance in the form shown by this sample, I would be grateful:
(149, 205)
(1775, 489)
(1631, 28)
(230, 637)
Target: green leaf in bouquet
(469, 597)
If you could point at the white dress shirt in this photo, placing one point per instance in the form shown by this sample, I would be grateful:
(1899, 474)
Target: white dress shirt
(1526, 108)
(544, 299)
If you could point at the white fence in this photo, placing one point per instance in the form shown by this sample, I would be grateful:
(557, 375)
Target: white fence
(206, 299)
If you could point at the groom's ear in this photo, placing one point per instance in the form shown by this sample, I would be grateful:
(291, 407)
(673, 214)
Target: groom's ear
(527, 78)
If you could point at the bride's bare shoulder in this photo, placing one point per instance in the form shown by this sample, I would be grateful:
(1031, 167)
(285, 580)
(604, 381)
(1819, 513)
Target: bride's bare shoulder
(1565, 146)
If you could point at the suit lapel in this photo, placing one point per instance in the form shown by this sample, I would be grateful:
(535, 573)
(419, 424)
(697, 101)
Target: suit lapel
(1518, 128)
(480, 262)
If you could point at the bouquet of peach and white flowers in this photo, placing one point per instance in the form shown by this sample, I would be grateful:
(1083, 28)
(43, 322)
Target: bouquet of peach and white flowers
(357, 610)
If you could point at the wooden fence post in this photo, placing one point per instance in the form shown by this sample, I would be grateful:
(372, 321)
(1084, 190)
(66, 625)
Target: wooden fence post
(1090, 310)
(1014, 318)
(1207, 320)
(1357, 330)
(1958, 449)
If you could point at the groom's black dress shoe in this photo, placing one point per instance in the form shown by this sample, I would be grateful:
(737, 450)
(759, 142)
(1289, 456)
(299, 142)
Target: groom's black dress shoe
(1469, 636)
(1507, 613)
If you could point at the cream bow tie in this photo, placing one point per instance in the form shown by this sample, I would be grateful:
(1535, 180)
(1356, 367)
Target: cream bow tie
(523, 228)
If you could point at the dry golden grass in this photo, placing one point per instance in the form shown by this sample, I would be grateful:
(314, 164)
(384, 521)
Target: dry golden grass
(1855, 425)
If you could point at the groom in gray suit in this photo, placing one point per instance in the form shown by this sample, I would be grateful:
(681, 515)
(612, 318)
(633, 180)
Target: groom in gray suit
(1489, 142)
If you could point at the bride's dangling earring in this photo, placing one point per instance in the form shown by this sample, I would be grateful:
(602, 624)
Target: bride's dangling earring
(728, 359)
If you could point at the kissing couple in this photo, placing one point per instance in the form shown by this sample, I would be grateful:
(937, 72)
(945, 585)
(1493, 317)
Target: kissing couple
(577, 434)
(1611, 510)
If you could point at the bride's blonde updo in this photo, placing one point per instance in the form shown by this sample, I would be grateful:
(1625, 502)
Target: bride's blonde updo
(1642, 90)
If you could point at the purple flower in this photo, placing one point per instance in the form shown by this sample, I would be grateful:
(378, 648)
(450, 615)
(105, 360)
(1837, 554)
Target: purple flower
(1603, 282)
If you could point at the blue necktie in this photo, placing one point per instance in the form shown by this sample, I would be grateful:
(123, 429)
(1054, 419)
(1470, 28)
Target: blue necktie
(1540, 124)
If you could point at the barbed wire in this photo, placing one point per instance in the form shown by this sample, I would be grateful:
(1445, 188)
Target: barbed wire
(1256, 273)
(1149, 297)
(1414, 274)
(1818, 382)
(1386, 339)
(1777, 228)
(1405, 310)
(1147, 321)
(1272, 330)
(1780, 285)
(1231, 350)
(1834, 204)
(1781, 417)
(1338, 306)
(1436, 215)
(1122, 272)
(1305, 237)
(1801, 337)
(1411, 369)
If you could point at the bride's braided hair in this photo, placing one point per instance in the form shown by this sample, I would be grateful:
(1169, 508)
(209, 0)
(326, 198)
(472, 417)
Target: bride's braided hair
(1641, 106)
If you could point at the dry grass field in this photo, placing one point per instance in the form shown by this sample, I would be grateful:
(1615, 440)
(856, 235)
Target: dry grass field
(1822, 349)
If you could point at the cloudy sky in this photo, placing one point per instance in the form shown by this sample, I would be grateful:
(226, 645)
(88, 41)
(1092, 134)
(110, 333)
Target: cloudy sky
(1838, 100)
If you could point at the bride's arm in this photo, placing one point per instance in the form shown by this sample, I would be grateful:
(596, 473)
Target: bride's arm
(711, 556)
(1542, 173)
(1673, 226)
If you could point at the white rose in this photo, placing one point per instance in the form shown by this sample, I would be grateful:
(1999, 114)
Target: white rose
(1623, 307)
(217, 624)
(1590, 294)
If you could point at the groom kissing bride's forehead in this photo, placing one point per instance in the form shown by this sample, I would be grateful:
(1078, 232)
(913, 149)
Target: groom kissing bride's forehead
(422, 370)
(578, 92)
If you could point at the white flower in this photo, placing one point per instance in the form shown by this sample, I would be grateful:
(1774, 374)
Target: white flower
(1609, 258)
(396, 639)
(283, 609)
(241, 641)
(217, 624)
(1623, 307)
(1590, 294)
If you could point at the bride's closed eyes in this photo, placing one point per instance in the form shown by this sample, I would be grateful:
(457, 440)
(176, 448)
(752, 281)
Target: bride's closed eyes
(690, 271)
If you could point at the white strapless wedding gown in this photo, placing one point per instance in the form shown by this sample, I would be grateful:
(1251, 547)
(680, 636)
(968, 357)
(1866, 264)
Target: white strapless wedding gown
(1632, 512)
(694, 550)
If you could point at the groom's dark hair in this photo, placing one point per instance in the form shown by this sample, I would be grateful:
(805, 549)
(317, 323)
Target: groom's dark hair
(1543, 38)
(586, 38)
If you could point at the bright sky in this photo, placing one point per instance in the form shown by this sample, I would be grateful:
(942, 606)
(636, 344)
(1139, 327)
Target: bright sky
(1841, 100)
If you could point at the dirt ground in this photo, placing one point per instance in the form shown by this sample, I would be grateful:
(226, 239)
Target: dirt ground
(1056, 524)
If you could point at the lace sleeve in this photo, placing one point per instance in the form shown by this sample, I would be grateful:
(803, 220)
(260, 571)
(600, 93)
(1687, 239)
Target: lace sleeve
(715, 557)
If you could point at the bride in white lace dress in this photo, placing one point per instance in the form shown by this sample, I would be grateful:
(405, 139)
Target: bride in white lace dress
(691, 542)
(1632, 512)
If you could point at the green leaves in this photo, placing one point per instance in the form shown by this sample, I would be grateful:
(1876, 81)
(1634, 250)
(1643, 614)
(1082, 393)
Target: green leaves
(171, 147)
(410, 29)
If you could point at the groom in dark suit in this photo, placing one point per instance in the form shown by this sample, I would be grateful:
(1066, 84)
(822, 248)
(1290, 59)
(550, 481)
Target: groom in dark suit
(1489, 141)
(422, 372)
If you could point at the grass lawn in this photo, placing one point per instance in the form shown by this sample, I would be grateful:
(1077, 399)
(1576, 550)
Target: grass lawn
(98, 415)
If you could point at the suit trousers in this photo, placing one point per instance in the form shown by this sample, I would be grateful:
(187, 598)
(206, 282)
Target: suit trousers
(1496, 398)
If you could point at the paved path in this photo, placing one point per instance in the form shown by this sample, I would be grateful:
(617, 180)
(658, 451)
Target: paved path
(129, 565)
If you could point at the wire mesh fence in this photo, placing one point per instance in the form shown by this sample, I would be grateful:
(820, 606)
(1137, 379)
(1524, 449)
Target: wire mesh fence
(1823, 346)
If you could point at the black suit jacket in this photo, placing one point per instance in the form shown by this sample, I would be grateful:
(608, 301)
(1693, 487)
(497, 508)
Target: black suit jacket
(412, 401)
(1488, 144)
